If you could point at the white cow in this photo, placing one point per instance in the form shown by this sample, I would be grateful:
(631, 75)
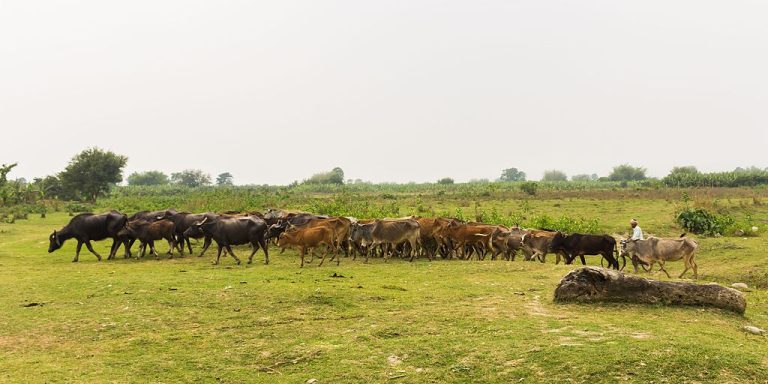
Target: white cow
(654, 249)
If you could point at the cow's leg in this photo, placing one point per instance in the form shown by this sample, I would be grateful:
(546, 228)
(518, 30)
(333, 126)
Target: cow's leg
(171, 244)
(695, 267)
(153, 250)
(584, 261)
(264, 246)
(412, 244)
(322, 260)
(229, 249)
(311, 255)
(127, 253)
(206, 243)
(254, 248)
(77, 251)
(685, 270)
(130, 244)
(661, 266)
(90, 248)
(338, 260)
(113, 249)
(218, 253)
(303, 251)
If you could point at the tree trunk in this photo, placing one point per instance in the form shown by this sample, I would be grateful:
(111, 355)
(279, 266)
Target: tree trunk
(593, 284)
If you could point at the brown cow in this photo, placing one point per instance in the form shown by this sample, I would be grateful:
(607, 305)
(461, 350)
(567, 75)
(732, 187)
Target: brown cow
(340, 225)
(147, 232)
(428, 229)
(507, 242)
(460, 235)
(309, 238)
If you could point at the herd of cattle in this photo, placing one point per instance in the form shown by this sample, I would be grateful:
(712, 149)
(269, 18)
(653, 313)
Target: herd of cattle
(407, 237)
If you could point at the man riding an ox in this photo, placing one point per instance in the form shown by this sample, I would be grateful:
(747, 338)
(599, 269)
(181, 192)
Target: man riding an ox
(637, 233)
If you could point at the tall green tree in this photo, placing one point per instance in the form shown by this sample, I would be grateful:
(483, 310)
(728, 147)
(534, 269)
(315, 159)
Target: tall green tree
(335, 176)
(512, 174)
(92, 172)
(191, 178)
(626, 172)
(49, 187)
(688, 169)
(5, 189)
(148, 178)
(225, 178)
(4, 171)
(584, 177)
(554, 175)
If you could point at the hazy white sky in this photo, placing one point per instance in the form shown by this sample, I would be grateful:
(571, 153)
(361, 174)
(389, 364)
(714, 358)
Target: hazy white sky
(273, 91)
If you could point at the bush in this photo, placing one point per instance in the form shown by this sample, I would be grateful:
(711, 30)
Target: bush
(529, 188)
(703, 222)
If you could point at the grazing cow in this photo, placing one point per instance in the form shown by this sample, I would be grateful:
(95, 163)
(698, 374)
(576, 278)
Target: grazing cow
(88, 226)
(654, 249)
(309, 238)
(147, 232)
(227, 232)
(579, 245)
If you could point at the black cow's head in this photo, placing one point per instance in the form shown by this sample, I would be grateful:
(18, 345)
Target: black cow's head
(54, 242)
(275, 230)
(196, 229)
(557, 242)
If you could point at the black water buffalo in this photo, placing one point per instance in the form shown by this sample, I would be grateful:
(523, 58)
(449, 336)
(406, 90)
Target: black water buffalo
(275, 216)
(88, 226)
(182, 222)
(579, 245)
(233, 231)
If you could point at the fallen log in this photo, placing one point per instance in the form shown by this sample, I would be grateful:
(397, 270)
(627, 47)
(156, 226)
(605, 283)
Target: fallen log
(591, 284)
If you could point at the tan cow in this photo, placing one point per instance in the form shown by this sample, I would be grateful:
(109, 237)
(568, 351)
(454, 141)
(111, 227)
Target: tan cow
(658, 250)
(535, 243)
(309, 238)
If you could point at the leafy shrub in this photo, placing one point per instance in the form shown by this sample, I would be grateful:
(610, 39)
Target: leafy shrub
(702, 222)
(529, 187)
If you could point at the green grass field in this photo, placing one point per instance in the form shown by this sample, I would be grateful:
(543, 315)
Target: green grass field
(185, 320)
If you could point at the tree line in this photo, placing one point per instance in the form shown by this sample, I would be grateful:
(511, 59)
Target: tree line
(93, 172)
